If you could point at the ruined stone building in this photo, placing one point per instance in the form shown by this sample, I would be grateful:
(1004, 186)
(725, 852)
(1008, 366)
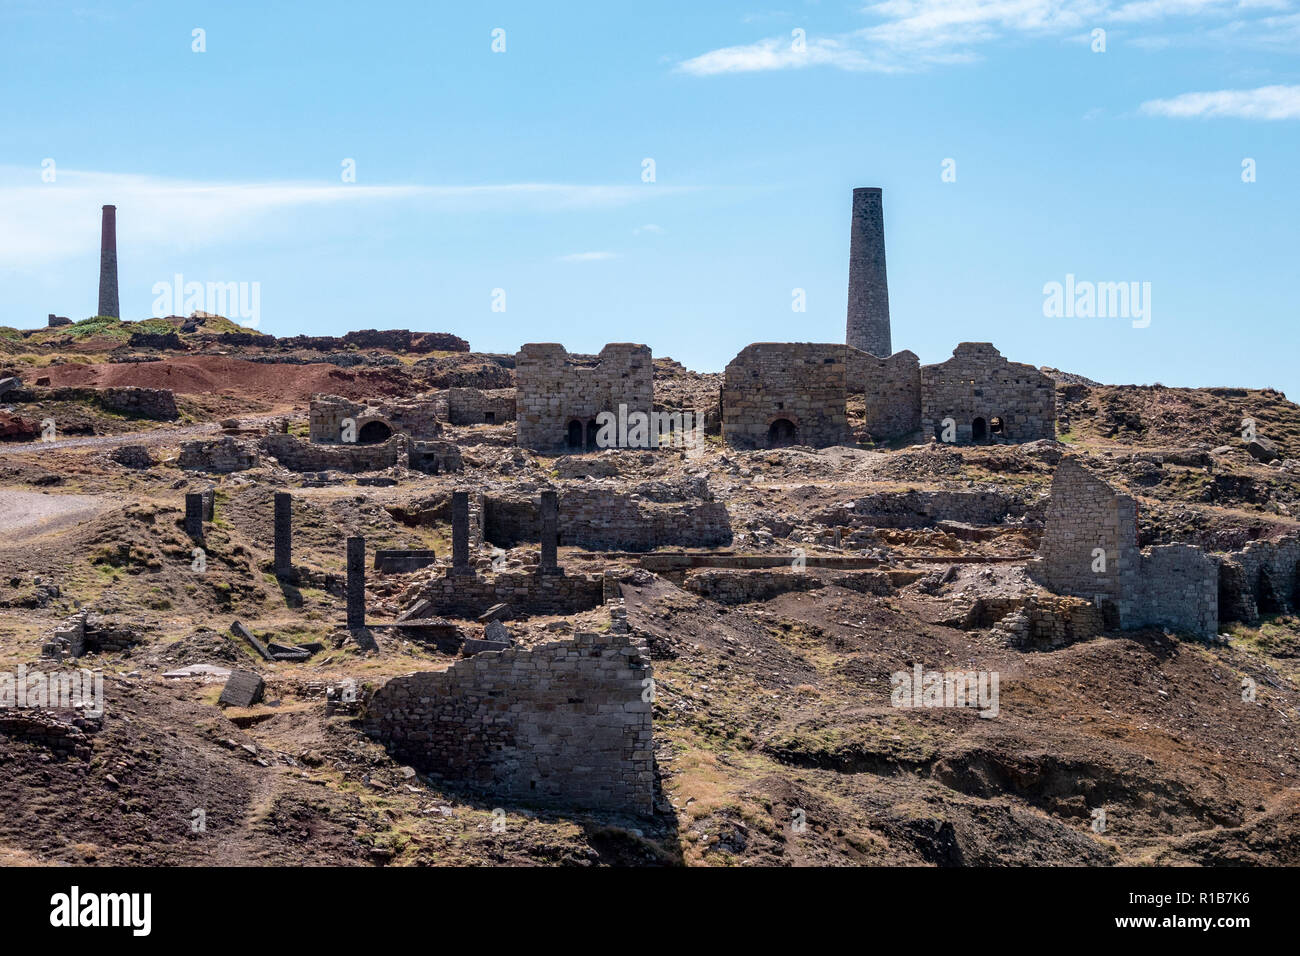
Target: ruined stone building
(987, 397)
(371, 423)
(558, 395)
(563, 724)
(1089, 549)
(786, 393)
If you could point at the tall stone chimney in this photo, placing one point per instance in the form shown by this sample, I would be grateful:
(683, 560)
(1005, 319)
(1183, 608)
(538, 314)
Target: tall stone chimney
(868, 324)
(108, 265)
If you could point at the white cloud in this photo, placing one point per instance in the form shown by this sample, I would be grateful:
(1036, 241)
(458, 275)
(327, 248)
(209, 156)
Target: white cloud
(650, 227)
(915, 34)
(587, 257)
(47, 222)
(1264, 103)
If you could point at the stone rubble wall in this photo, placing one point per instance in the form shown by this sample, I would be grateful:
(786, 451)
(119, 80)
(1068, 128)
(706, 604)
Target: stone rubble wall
(803, 383)
(925, 509)
(562, 724)
(153, 403)
(601, 519)
(733, 586)
(66, 736)
(1172, 586)
(472, 406)
(1263, 577)
(297, 455)
(528, 592)
(977, 382)
(220, 456)
(554, 388)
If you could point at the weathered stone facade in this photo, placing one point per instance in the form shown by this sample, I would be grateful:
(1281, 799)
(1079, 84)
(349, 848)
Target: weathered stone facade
(892, 390)
(476, 406)
(988, 397)
(1089, 549)
(374, 423)
(786, 393)
(561, 724)
(559, 395)
(1262, 578)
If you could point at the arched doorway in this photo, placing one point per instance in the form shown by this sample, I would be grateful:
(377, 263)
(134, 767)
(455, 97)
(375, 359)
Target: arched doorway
(374, 432)
(575, 438)
(781, 433)
(979, 431)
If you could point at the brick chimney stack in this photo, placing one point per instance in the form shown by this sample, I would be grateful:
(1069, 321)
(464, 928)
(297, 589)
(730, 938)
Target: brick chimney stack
(108, 265)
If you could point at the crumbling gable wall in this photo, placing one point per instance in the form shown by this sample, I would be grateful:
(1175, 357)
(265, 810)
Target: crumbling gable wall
(988, 397)
(562, 724)
(1089, 549)
(786, 393)
(559, 395)
(892, 389)
(477, 406)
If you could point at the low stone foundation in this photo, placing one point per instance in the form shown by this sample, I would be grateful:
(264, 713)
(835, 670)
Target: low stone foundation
(156, 403)
(221, 456)
(527, 593)
(1037, 621)
(562, 724)
(298, 455)
(727, 586)
(65, 735)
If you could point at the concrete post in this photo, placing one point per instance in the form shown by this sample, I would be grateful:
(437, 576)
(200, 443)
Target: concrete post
(108, 264)
(356, 587)
(868, 317)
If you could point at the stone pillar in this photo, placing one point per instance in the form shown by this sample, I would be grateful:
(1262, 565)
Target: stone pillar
(194, 514)
(868, 319)
(356, 588)
(283, 532)
(460, 533)
(108, 264)
(550, 524)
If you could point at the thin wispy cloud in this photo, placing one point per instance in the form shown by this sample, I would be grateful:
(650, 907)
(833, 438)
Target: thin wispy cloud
(1264, 103)
(909, 35)
(48, 222)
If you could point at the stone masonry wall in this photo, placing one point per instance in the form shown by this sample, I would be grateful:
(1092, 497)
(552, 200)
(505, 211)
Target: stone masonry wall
(1174, 586)
(417, 419)
(602, 519)
(219, 456)
(561, 724)
(555, 389)
(297, 455)
(1264, 577)
(892, 389)
(156, 403)
(527, 592)
(977, 383)
(476, 406)
(786, 393)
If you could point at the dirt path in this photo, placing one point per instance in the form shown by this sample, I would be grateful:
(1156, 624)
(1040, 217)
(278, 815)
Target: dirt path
(28, 514)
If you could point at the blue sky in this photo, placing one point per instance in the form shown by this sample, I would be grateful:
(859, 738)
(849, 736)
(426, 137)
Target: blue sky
(522, 170)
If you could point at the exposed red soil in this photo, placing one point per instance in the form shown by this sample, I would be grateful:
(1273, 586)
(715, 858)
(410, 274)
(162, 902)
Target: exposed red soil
(217, 374)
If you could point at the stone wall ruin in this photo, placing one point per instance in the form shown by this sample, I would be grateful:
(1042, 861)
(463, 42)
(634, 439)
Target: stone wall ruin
(559, 395)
